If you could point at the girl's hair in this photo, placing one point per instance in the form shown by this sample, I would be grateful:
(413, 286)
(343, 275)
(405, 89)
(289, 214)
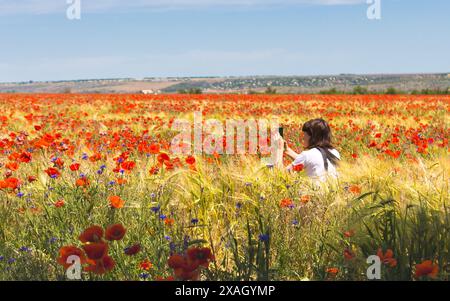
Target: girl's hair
(319, 132)
(320, 137)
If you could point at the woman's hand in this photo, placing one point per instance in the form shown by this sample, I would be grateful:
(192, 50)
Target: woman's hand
(280, 143)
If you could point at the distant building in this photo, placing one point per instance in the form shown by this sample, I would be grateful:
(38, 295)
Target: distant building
(148, 92)
(448, 75)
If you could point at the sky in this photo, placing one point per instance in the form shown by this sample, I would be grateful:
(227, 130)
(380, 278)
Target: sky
(170, 38)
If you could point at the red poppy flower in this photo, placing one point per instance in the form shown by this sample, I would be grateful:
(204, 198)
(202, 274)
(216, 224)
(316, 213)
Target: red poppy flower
(66, 252)
(59, 204)
(11, 183)
(13, 166)
(128, 165)
(154, 170)
(25, 157)
(427, 268)
(59, 162)
(116, 202)
(355, 189)
(332, 271)
(146, 265)
(121, 181)
(190, 160)
(348, 254)
(286, 203)
(82, 182)
(349, 233)
(162, 157)
(133, 250)
(96, 157)
(75, 166)
(170, 278)
(52, 172)
(305, 199)
(101, 266)
(387, 258)
(176, 261)
(187, 274)
(200, 256)
(96, 250)
(115, 232)
(154, 149)
(169, 221)
(298, 168)
(92, 234)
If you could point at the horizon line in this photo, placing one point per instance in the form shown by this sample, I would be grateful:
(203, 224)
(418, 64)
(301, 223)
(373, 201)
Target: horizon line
(31, 81)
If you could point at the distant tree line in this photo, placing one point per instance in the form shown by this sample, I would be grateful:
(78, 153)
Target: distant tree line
(190, 91)
(270, 90)
(358, 90)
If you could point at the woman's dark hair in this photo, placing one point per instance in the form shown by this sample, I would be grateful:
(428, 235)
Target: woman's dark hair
(320, 137)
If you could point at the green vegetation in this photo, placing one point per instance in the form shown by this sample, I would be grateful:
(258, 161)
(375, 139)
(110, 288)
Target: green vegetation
(190, 91)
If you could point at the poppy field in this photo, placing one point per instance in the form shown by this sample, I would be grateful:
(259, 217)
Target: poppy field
(92, 177)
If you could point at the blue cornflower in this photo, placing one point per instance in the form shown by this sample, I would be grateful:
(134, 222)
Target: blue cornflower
(84, 156)
(172, 246)
(194, 221)
(144, 275)
(264, 237)
(156, 209)
(162, 216)
(24, 249)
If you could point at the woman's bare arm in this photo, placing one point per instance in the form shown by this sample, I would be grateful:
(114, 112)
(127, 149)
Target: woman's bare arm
(291, 153)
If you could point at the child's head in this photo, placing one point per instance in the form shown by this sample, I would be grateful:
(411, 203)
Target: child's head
(316, 132)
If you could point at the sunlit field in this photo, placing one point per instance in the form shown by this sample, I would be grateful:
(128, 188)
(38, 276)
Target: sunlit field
(93, 176)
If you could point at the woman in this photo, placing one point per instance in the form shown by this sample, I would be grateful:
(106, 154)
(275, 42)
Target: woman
(320, 157)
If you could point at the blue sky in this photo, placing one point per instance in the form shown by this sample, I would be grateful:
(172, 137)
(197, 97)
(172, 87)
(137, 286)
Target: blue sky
(145, 38)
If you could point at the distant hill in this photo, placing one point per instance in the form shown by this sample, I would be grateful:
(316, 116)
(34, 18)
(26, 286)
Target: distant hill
(251, 84)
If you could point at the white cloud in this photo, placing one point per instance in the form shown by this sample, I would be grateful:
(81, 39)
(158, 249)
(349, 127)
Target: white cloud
(54, 6)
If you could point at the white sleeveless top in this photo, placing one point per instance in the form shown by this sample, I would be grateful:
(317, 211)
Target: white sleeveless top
(314, 166)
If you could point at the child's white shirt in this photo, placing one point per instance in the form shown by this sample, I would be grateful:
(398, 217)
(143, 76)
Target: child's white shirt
(313, 164)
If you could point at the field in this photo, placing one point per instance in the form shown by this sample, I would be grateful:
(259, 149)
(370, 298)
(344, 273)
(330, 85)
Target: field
(92, 176)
